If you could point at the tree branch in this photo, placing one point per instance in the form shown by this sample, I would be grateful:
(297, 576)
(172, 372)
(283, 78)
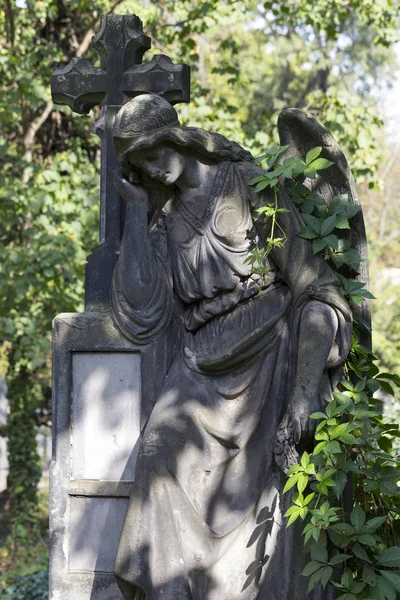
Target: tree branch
(10, 26)
(29, 137)
(85, 43)
(114, 6)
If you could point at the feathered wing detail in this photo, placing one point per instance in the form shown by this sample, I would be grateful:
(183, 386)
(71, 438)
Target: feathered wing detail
(301, 132)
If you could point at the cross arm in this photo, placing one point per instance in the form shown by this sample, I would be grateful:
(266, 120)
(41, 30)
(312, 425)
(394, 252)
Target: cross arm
(79, 85)
(160, 76)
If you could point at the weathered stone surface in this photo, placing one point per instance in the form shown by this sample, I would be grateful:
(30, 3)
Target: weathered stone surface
(96, 525)
(106, 389)
(97, 389)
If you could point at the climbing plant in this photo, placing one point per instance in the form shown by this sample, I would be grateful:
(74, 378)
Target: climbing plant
(352, 545)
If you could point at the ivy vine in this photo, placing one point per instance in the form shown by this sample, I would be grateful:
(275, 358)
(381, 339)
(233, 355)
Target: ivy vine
(353, 548)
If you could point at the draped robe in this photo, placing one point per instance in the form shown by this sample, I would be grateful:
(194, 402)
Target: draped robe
(205, 516)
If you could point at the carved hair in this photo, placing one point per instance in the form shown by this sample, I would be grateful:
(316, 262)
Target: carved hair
(149, 120)
(144, 114)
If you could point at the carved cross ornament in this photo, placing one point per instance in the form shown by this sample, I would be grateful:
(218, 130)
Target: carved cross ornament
(121, 44)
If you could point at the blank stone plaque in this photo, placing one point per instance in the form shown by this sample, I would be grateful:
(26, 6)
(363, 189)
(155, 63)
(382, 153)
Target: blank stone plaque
(95, 527)
(105, 415)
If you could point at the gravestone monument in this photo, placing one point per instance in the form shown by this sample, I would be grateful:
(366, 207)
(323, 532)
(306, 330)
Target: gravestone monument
(183, 390)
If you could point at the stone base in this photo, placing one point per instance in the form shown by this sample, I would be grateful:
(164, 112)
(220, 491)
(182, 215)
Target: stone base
(99, 407)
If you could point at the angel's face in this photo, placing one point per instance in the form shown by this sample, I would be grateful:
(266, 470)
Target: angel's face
(161, 163)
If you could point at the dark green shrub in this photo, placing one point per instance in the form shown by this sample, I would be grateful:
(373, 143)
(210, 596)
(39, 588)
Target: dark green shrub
(29, 587)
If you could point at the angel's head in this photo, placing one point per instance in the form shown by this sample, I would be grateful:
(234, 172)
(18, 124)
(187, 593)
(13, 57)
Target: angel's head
(147, 129)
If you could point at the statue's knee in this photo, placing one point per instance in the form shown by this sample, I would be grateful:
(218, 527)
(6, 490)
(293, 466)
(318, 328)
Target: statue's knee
(321, 316)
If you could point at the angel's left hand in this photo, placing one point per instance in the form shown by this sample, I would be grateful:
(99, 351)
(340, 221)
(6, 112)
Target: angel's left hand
(296, 424)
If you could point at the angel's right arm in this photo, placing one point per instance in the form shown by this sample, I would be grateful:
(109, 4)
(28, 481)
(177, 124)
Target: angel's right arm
(137, 265)
(141, 290)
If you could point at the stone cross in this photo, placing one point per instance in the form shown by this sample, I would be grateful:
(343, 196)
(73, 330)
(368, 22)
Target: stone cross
(121, 45)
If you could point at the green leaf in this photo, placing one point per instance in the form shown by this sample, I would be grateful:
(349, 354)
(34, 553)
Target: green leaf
(387, 387)
(338, 559)
(320, 163)
(361, 553)
(347, 579)
(374, 523)
(390, 557)
(320, 447)
(256, 180)
(367, 539)
(313, 223)
(311, 568)
(389, 473)
(307, 233)
(291, 482)
(291, 510)
(357, 517)
(303, 512)
(383, 590)
(348, 438)
(318, 415)
(302, 483)
(357, 587)
(315, 577)
(305, 460)
(339, 430)
(328, 225)
(333, 447)
(340, 483)
(326, 575)
(294, 469)
(391, 376)
(357, 298)
(262, 185)
(318, 245)
(294, 516)
(310, 173)
(388, 488)
(332, 241)
(340, 201)
(320, 553)
(343, 528)
(345, 383)
(342, 222)
(338, 539)
(393, 577)
(351, 210)
(369, 575)
(313, 154)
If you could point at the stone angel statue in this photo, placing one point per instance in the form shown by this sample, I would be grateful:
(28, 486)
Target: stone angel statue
(248, 361)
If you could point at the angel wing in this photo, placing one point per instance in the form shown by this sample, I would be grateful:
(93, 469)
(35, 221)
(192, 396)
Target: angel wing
(301, 132)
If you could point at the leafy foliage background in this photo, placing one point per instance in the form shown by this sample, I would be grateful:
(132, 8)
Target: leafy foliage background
(249, 60)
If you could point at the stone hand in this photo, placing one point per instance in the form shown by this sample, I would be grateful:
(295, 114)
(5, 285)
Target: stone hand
(131, 191)
(297, 423)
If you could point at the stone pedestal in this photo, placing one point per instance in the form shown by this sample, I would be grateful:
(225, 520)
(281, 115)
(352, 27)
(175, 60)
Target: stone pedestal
(100, 406)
